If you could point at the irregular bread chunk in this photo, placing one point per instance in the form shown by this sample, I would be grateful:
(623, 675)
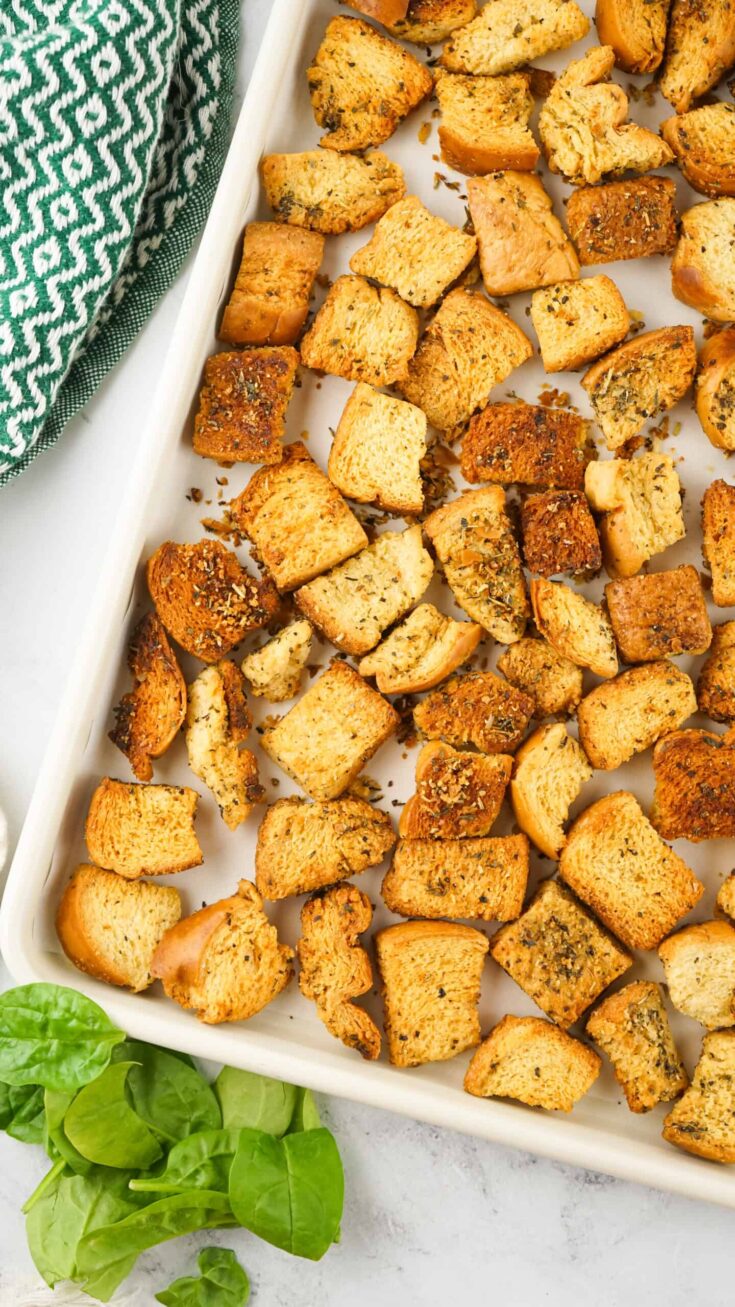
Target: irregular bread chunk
(703, 1121)
(715, 389)
(700, 47)
(508, 34)
(527, 443)
(551, 681)
(640, 499)
(522, 244)
(533, 1061)
(274, 672)
(628, 714)
(633, 1029)
(659, 615)
(270, 298)
(642, 378)
(484, 122)
(429, 21)
(549, 772)
(702, 269)
(476, 879)
(243, 403)
(718, 540)
(699, 962)
(217, 723)
(306, 846)
(704, 144)
(383, 11)
(334, 969)
(457, 794)
(329, 192)
(636, 30)
(476, 708)
(716, 683)
(418, 654)
(725, 900)
(576, 321)
(377, 450)
(630, 219)
(559, 533)
(149, 717)
(142, 830)
(694, 798)
(362, 333)
(575, 627)
(414, 252)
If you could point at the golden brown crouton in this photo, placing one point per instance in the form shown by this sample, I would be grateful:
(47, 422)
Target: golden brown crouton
(700, 47)
(704, 144)
(242, 405)
(325, 740)
(521, 241)
(558, 954)
(477, 708)
(548, 774)
(457, 794)
(484, 123)
(633, 1029)
(725, 901)
(414, 252)
(274, 671)
(715, 389)
(225, 961)
(640, 379)
(699, 962)
(659, 615)
(418, 654)
(640, 500)
(574, 626)
(694, 798)
(628, 714)
(383, 11)
(702, 1120)
(329, 192)
(702, 269)
(552, 682)
(334, 969)
(527, 443)
(630, 219)
(362, 333)
(142, 830)
(377, 450)
(429, 21)
(430, 973)
(636, 30)
(718, 540)
(270, 298)
(533, 1061)
(716, 684)
(510, 33)
(305, 846)
(576, 321)
(217, 722)
(476, 879)
(148, 718)
(559, 533)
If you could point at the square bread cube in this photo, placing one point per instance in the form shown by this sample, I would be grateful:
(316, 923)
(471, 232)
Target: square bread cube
(643, 377)
(414, 252)
(694, 797)
(242, 405)
(142, 830)
(305, 846)
(509, 34)
(270, 298)
(533, 1061)
(659, 615)
(457, 794)
(630, 219)
(484, 122)
(527, 444)
(481, 879)
(718, 540)
(331, 193)
(628, 714)
(377, 451)
(703, 1121)
(632, 1027)
(640, 500)
(521, 242)
(577, 629)
(576, 321)
(476, 708)
(716, 683)
(699, 962)
(559, 533)
(362, 333)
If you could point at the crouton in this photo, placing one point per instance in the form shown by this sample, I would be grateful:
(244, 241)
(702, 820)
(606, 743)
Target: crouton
(718, 540)
(630, 219)
(548, 774)
(725, 900)
(142, 830)
(700, 47)
(475, 544)
(702, 269)
(205, 599)
(640, 500)
(329, 192)
(633, 1029)
(527, 444)
(704, 144)
(274, 672)
(297, 520)
(484, 123)
(305, 846)
(551, 681)
(636, 31)
(429, 21)
(430, 973)
(334, 969)
(476, 708)
(355, 603)
(418, 654)
(383, 11)
(716, 683)
(362, 84)
(149, 717)
(702, 1121)
(533, 1061)
(224, 962)
(576, 321)
(699, 962)
(559, 533)
(415, 253)
(325, 740)
(628, 714)
(584, 124)
(508, 34)
(469, 347)
(659, 615)
(694, 798)
(457, 794)
(377, 450)
(522, 244)
(270, 298)
(362, 333)
(640, 379)
(217, 722)
(110, 927)
(476, 879)
(575, 627)
(558, 954)
(715, 389)
(242, 405)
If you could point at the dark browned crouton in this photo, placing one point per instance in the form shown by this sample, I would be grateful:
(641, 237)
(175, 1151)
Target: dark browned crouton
(659, 615)
(694, 797)
(147, 719)
(242, 405)
(527, 443)
(559, 533)
(623, 220)
(477, 708)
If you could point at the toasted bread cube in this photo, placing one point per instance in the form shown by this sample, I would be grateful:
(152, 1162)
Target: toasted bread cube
(640, 379)
(476, 879)
(716, 683)
(702, 270)
(548, 774)
(700, 47)
(418, 654)
(552, 682)
(377, 451)
(575, 627)
(355, 603)
(559, 533)
(636, 30)
(297, 520)
(715, 389)
(274, 672)
(362, 333)
(149, 717)
(484, 123)
(457, 794)
(704, 144)
(576, 321)
(640, 499)
(329, 192)
(224, 962)
(334, 969)
(630, 219)
(558, 954)
(430, 973)
(659, 615)
(142, 830)
(725, 900)
(628, 714)
(718, 540)
(475, 544)
(508, 34)
(110, 927)
(632, 1027)
(428, 21)
(694, 798)
(527, 444)
(217, 722)
(270, 298)
(522, 243)
(305, 846)
(383, 11)
(533, 1061)
(476, 708)
(325, 740)
(702, 1122)
(699, 962)
(242, 405)
(414, 252)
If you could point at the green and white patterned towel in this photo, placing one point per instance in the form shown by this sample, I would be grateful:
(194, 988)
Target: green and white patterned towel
(114, 121)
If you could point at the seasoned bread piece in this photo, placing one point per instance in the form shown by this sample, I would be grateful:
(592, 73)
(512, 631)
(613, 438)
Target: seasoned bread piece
(558, 954)
(362, 84)
(659, 615)
(484, 122)
(694, 798)
(704, 144)
(476, 879)
(469, 347)
(702, 269)
(305, 846)
(362, 333)
(508, 34)
(325, 740)
(640, 500)
(334, 969)
(716, 683)
(522, 244)
(383, 11)
(630, 219)
(551, 681)
(242, 405)
(718, 540)
(725, 900)
(355, 603)
(703, 1121)
(575, 627)
(430, 973)
(429, 21)
(297, 520)
(476, 708)
(217, 723)
(559, 533)
(270, 298)
(548, 774)
(274, 672)
(715, 389)
(457, 794)
(110, 927)
(576, 321)
(640, 379)
(475, 544)
(330, 192)
(700, 47)
(527, 444)
(148, 718)
(224, 962)
(377, 450)
(699, 962)
(142, 830)
(533, 1061)
(636, 31)
(414, 252)
(418, 654)
(616, 864)
(633, 1029)
(628, 714)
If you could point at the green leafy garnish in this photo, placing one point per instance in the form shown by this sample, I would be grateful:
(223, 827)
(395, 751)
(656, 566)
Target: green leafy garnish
(222, 1283)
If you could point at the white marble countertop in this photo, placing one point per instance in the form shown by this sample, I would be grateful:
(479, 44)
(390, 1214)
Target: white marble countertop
(431, 1217)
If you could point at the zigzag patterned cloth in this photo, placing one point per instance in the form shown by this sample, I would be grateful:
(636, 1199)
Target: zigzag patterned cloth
(114, 121)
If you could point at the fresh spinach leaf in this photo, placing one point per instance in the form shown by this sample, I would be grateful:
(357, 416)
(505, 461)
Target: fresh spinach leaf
(305, 1114)
(104, 1128)
(170, 1096)
(57, 1104)
(222, 1283)
(289, 1191)
(255, 1102)
(22, 1112)
(53, 1036)
(202, 1161)
(66, 1212)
